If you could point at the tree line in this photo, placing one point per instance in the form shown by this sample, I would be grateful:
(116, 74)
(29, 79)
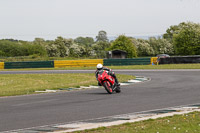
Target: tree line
(181, 39)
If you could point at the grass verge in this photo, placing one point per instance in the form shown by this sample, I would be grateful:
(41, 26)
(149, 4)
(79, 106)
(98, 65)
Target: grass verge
(186, 123)
(20, 84)
(166, 66)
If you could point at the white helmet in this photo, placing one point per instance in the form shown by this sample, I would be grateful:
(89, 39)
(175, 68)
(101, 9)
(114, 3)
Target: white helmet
(99, 66)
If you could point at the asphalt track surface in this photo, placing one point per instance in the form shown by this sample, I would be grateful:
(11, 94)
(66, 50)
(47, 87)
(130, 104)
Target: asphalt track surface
(167, 88)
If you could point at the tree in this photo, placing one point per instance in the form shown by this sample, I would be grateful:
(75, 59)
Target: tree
(174, 29)
(100, 49)
(143, 47)
(39, 41)
(161, 46)
(187, 40)
(76, 50)
(2, 53)
(85, 41)
(60, 47)
(86, 44)
(52, 50)
(124, 43)
(102, 37)
(10, 48)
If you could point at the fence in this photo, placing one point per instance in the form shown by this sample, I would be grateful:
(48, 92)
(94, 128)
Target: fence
(180, 60)
(94, 62)
(1, 65)
(77, 63)
(31, 64)
(122, 62)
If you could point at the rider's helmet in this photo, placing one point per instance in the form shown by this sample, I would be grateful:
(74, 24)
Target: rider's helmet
(99, 66)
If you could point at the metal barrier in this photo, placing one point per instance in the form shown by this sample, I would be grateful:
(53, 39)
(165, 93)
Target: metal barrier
(1, 65)
(77, 63)
(131, 61)
(180, 60)
(29, 64)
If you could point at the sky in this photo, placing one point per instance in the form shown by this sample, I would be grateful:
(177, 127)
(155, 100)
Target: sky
(28, 19)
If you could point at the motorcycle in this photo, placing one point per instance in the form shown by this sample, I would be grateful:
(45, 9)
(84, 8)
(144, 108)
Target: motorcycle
(108, 82)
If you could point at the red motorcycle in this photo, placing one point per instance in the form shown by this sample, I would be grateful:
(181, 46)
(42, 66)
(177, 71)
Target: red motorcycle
(108, 82)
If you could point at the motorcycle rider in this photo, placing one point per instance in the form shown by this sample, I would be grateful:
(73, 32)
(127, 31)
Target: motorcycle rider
(110, 72)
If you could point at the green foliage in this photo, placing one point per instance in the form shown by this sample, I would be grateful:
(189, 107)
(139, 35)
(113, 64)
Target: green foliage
(39, 41)
(63, 46)
(174, 29)
(161, 46)
(100, 49)
(143, 47)
(85, 41)
(124, 43)
(185, 38)
(60, 47)
(170, 31)
(2, 53)
(85, 44)
(102, 37)
(10, 48)
(76, 50)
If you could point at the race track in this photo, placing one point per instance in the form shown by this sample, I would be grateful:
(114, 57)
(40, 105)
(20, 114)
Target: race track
(167, 88)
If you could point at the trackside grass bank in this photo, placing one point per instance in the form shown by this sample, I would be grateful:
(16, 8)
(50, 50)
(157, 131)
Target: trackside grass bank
(21, 84)
(186, 123)
(167, 66)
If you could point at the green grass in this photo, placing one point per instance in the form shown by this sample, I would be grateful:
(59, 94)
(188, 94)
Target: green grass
(20, 84)
(167, 66)
(187, 123)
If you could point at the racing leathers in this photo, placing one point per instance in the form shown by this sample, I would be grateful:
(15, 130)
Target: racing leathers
(110, 72)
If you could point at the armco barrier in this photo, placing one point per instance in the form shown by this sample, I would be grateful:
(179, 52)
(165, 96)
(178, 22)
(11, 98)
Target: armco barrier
(180, 60)
(31, 64)
(77, 63)
(122, 62)
(1, 65)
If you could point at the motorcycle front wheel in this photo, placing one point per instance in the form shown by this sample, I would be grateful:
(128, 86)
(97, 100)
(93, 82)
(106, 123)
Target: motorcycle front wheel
(108, 87)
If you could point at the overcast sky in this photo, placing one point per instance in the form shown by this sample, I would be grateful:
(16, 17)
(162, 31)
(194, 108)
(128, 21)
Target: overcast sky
(27, 19)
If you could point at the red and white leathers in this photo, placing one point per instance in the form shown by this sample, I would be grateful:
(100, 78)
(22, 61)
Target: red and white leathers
(110, 72)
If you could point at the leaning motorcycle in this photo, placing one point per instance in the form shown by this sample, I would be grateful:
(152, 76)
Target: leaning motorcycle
(108, 82)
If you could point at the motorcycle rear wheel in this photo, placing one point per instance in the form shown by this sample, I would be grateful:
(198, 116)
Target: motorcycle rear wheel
(118, 90)
(108, 87)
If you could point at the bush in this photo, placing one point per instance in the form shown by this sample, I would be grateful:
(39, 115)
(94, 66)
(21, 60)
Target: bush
(125, 44)
(20, 48)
